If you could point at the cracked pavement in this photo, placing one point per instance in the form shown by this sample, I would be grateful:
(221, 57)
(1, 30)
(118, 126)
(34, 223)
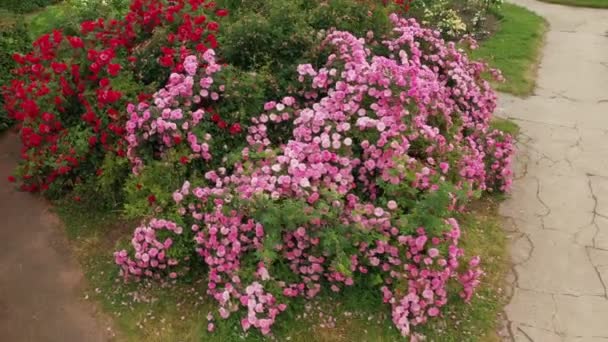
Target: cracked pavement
(557, 215)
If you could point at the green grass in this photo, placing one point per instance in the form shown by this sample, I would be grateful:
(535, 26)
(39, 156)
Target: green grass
(177, 311)
(515, 48)
(40, 21)
(48, 18)
(505, 125)
(581, 3)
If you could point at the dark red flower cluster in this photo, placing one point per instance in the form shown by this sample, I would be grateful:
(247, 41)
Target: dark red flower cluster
(403, 4)
(71, 89)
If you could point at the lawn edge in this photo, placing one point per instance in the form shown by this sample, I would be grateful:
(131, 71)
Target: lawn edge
(569, 4)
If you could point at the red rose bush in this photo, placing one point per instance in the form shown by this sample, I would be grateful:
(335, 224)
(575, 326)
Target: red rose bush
(71, 91)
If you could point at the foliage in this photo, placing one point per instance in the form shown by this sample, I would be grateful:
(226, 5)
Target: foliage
(13, 39)
(25, 6)
(268, 39)
(68, 14)
(381, 153)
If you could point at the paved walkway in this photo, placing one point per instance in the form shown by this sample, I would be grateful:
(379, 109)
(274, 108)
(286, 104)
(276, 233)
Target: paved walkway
(39, 281)
(558, 213)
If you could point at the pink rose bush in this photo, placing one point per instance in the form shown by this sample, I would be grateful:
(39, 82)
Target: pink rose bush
(150, 253)
(180, 114)
(386, 141)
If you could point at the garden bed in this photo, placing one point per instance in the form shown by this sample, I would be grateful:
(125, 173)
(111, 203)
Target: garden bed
(297, 173)
(138, 309)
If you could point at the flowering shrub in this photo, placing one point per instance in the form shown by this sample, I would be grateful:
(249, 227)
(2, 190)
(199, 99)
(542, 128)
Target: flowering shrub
(13, 38)
(70, 95)
(454, 18)
(378, 151)
(167, 124)
(25, 6)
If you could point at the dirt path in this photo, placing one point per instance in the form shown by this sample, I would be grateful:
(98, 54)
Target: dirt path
(39, 281)
(559, 208)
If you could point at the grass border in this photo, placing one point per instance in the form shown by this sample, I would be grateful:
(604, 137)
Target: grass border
(578, 3)
(516, 48)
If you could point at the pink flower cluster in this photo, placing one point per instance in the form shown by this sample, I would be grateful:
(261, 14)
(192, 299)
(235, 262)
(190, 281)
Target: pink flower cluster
(499, 148)
(371, 136)
(427, 276)
(150, 254)
(177, 113)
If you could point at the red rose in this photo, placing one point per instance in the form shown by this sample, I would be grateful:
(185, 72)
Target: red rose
(57, 36)
(212, 41)
(12, 179)
(201, 48)
(92, 140)
(221, 12)
(34, 140)
(177, 139)
(37, 68)
(104, 82)
(235, 128)
(76, 42)
(94, 67)
(44, 129)
(222, 124)
(184, 160)
(213, 26)
(200, 20)
(143, 97)
(166, 61)
(18, 58)
(113, 69)
(88, 117)
(87, 26)
(215, 118)
(76, 71)
(58, 68)
(113, 114)
(151, 199)
(92, 55)
(63, 170)
(48, 117)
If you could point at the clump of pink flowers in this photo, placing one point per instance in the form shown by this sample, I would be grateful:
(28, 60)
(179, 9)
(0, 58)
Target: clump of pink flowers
(383, 151)
(170, 121)
(150, 257)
